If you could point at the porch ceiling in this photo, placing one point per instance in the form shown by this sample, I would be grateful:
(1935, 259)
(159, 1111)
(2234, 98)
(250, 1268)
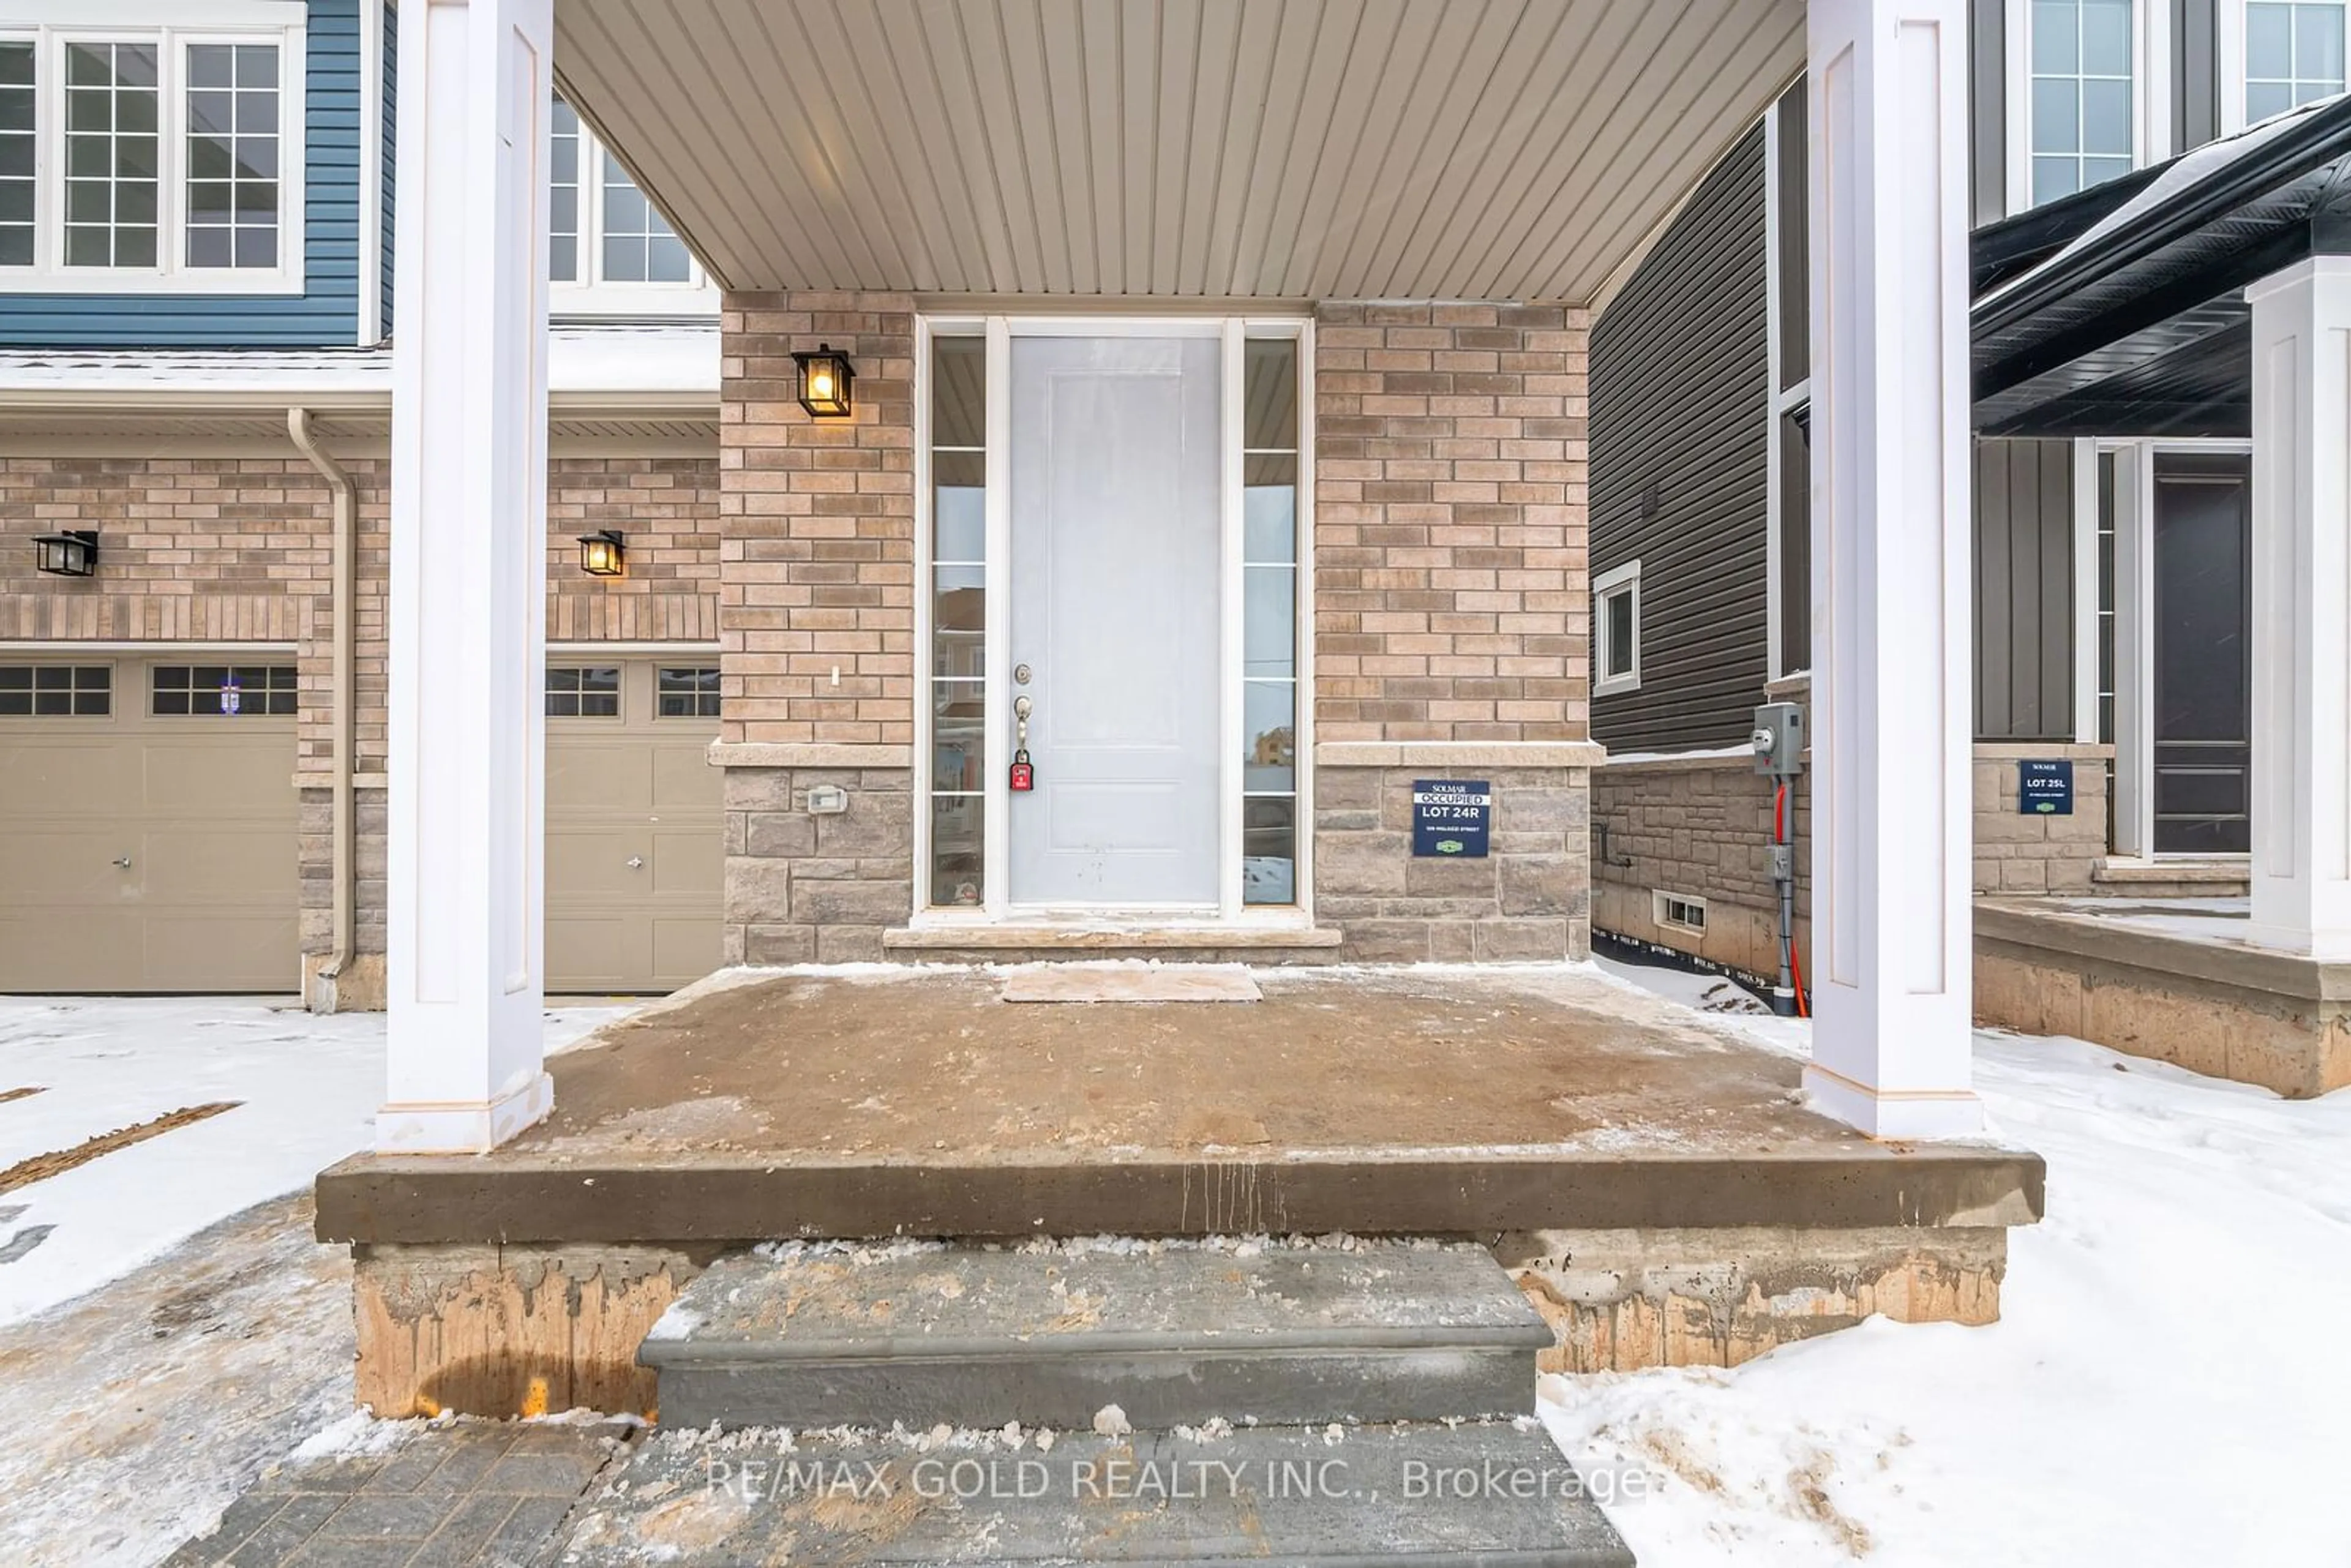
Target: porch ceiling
(1310, 149)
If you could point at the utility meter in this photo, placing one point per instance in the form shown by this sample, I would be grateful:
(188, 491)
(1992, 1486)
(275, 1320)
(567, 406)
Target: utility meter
(1780, 739)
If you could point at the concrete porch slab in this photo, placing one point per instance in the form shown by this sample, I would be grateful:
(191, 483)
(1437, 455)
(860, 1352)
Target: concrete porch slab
(1581, 1118)
(1416, 1101)
(1125, 983)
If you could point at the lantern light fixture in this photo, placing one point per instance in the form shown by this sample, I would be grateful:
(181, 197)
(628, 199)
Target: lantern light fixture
(73, 553)
(602, 554)
(825, 378)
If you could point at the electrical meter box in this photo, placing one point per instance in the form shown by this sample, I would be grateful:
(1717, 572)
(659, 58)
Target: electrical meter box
(1780, 739)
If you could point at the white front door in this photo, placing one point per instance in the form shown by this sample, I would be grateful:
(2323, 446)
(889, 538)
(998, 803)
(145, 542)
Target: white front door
(1115, 527)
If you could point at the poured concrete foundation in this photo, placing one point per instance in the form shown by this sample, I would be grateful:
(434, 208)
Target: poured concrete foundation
(2173, 980)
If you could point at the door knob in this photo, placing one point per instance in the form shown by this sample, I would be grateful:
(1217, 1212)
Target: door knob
(636, 863)
(123, 860)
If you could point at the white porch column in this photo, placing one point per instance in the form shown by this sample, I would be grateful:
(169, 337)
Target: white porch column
(1891, 719)
(469, 576)
(2301, 609)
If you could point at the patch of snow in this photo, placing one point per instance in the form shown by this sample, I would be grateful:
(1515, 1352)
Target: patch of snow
(1111, 1421)
(2153, 1394)
(357, 1435)
(307, 1090)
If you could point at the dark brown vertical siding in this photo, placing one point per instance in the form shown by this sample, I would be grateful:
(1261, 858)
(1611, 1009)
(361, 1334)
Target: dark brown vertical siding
(1987, 108)
(2025, 590)
(2196, 73)
(1680, 413)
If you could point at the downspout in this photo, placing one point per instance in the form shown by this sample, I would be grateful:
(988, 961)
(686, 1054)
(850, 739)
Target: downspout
(343, 698)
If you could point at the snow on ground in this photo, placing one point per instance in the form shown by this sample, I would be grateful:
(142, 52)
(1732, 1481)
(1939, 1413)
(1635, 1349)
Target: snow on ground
(308, 1089)
(2170, 1381)
(146, 1407)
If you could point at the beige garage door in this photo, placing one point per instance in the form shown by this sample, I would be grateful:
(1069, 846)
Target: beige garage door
(634, 834)
(150, 825)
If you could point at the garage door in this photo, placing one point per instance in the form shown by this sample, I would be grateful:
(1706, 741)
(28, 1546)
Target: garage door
(634, 830)
(151, 826)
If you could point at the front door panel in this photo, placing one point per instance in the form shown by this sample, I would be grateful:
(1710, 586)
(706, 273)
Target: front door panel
(1114, 496)
(2203, 673)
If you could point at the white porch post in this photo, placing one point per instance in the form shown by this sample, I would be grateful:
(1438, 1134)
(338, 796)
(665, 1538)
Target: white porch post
(2301, 609)
(469, 576)
(1891, 651)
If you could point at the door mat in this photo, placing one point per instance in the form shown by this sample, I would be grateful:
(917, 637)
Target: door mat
(1168, 983)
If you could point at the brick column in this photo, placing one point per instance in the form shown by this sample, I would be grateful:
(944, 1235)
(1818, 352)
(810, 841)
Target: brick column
(1452, 613)
(816, 620)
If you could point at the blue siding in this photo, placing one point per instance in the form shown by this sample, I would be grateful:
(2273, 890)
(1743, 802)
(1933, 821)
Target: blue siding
(391, 137)
(324, 315)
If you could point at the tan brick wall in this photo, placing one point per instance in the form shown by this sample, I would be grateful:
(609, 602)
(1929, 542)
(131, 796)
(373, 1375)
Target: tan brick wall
(667, 510)
(817, 565)
(240, 549)
(1450, 583)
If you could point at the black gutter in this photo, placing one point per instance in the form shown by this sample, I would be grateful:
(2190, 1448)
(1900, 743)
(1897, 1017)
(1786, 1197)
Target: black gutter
(2323, 136)
(2011, 246)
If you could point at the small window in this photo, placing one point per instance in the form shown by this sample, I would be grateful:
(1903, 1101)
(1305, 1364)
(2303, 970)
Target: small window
(690, 693)
(1678, 911)
(639, 244)
(83, 691)
(2294, 54)
(2082, 105)
(236, 691)
(588, 691)
(1616, 629)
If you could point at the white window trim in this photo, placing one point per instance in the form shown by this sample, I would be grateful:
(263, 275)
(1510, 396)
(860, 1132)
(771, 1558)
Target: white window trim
(996, 907)
(589, 295)
(2151, 131)
(1778, 399)
(1616, 580)
(50, 25)
(1659, 897)
(2229, 25)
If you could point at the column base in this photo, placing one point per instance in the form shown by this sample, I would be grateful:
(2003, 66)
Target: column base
(2320, 946)
(459, 1127)
(1882, 1114)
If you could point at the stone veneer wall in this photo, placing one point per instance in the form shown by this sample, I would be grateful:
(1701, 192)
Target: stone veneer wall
(1702, 825)
(227, 550)
(1699, 825)
(2019, 853)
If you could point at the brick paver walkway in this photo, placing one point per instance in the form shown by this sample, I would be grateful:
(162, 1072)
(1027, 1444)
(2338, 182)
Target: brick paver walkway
(489, 1493)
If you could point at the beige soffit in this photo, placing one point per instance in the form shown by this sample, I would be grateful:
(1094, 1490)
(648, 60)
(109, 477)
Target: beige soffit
(1273, 150)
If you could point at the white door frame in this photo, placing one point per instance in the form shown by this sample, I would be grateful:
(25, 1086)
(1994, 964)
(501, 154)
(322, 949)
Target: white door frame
(1232, 332)
(2135, 629)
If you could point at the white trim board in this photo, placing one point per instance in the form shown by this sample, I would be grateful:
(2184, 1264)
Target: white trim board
(1232, 332)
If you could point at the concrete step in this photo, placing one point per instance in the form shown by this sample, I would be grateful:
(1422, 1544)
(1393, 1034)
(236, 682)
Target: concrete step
(1474, 1496)
(1174, 1336)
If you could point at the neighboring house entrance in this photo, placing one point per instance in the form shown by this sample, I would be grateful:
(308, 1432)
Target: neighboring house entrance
(151, 823)
(1116, 509)
(635, 838)
(2203, 695)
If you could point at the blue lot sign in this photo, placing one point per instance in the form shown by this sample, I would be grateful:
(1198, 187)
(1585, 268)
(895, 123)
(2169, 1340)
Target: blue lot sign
(1451, 817)
(2044, 789)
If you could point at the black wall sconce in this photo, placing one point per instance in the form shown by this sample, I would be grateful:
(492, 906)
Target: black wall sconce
(73, 553)
(825, 376)
(602, 554)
